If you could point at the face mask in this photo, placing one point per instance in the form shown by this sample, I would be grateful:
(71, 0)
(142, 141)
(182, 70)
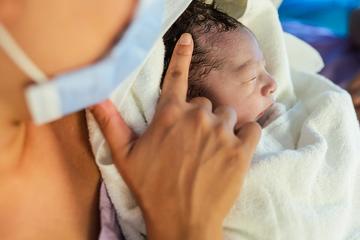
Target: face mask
(73, 91)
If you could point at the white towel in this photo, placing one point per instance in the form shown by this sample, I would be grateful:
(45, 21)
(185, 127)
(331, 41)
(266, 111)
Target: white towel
(303, 177)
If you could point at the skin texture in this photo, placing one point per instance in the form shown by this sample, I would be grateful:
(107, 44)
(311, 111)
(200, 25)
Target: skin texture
(241, 81)
(48, 178)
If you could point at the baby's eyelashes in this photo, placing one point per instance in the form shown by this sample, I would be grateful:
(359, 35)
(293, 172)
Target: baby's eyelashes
(252, 80)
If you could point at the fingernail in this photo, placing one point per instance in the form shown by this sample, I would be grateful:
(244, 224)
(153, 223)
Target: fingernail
(91, 108)
(94, 109)
(185, 39)
(97, 106)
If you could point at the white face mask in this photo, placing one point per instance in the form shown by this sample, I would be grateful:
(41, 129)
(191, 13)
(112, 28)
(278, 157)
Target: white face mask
(73, 91)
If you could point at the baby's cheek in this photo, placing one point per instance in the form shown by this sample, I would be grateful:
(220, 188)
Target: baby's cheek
(249, 110)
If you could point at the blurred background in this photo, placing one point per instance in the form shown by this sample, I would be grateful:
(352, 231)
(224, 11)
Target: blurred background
(333, 28)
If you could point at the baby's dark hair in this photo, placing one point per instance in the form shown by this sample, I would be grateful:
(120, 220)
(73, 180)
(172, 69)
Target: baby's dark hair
(199, 19)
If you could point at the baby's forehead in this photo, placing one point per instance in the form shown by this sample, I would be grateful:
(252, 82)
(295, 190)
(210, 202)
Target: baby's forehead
(229, 42)
(233, 50)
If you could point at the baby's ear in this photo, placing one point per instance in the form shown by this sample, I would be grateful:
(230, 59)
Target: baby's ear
(10, 10)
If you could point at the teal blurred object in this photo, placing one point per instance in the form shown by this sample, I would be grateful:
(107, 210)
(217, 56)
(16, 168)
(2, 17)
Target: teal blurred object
(332, 14)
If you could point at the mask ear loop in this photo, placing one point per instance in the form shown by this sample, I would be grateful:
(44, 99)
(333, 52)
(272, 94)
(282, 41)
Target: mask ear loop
(19, 57)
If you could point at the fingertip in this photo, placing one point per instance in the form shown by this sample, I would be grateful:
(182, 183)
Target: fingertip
(184, 45)
(102, 107)
(185, 39)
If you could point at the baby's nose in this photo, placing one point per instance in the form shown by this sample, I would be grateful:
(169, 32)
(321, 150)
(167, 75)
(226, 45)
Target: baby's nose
(269, 86)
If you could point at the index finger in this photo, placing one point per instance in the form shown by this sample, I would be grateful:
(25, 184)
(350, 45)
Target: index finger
(176, 79)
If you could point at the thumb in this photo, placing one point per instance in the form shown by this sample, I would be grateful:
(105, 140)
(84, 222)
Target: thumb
(117, 134)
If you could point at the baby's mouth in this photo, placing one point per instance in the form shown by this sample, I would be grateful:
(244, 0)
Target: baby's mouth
(260, 115)
(264, 116)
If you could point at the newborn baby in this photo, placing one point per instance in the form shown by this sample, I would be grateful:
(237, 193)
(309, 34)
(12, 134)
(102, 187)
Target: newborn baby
(227, 65)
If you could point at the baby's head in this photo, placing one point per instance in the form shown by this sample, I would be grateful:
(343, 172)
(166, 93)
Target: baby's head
(227, 65)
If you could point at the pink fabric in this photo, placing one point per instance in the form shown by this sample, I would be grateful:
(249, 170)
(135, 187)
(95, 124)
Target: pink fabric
(110, 228)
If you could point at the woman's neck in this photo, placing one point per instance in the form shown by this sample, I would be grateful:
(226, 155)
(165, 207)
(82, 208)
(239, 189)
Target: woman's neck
(42, 158)
(72, 134)
(11, 143)
(69, 134)
(12, 111)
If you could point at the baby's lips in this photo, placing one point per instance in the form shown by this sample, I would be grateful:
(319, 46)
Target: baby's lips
(264, 116)
(262, 120)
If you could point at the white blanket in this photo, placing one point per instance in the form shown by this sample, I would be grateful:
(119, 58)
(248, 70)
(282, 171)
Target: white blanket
(305, 174)
(304, 180)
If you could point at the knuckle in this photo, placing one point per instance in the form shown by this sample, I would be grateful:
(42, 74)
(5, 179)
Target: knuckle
(240, 152)
(202, 116)
(222, 133)
(205, 100)
(166, 119)
(175, 73)
(222, 109)
(226, 112)
(230, 111)
(234, 156)
(201, 101)
(171, 103)
(169, 112)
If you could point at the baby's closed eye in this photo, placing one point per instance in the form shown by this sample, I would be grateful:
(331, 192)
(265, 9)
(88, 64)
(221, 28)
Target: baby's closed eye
(250, 81)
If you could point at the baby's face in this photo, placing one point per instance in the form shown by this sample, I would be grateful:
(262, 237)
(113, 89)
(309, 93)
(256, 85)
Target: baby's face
(242, 81)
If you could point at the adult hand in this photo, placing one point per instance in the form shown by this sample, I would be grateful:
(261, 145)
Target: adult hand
(187, 169)
(354, 90)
